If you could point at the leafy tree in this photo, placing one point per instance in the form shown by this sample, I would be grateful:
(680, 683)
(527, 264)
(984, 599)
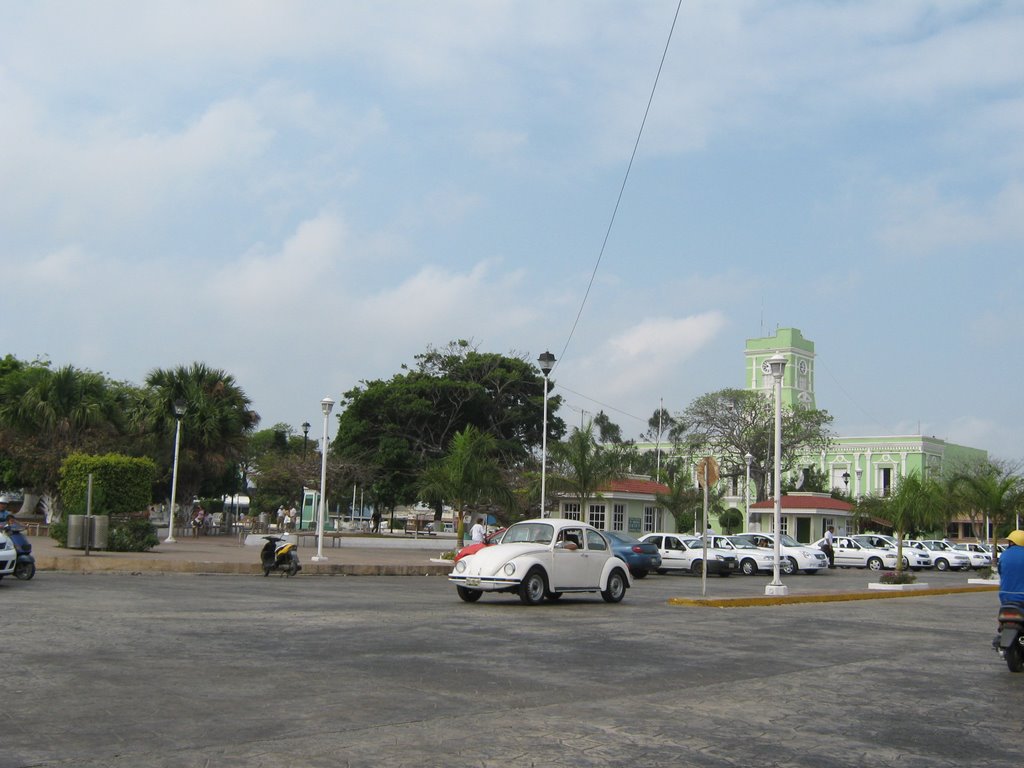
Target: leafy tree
(731, 423)
(731, 520)
(658, 426)
(214, 430)
(992, 490)
(400, 426)
(468, 475)
(607, 430)
(581, 466)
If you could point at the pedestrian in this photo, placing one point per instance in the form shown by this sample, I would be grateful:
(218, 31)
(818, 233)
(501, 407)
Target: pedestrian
(198, 520)
(375, 519)
(477, 532)
(281, 514)
(293, 517)
(828, 548)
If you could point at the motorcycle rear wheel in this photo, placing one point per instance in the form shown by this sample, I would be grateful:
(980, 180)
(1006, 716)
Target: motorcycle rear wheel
(1014, 658)
(24, 571)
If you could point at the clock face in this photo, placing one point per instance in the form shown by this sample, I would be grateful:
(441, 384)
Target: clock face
(803, 366)
(766, 367)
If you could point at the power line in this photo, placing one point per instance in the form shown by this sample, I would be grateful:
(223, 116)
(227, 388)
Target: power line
(625, 178)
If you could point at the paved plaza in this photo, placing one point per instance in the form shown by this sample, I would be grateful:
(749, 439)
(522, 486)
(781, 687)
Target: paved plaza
(192, 669)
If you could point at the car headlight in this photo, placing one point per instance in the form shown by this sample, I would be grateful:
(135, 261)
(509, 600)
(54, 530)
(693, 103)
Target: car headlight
(460, 566)
(509, 569)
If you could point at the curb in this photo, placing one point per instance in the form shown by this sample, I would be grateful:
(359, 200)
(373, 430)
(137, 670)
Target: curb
(94, 564)
(744, 602)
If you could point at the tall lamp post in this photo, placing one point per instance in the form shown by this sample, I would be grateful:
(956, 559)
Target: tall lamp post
(325, 405)
(305, 438)
(749, 458)
(546, 362)
(179, 411)
(777, 365)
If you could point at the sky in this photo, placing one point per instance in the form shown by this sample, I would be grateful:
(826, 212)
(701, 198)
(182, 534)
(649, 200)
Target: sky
(309, 194)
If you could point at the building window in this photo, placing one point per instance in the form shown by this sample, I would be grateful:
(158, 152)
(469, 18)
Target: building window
(652, 519)
(618, 517)
(784, 525)
(885, 474)
(596, 516)
(828, 522)
(571, 511)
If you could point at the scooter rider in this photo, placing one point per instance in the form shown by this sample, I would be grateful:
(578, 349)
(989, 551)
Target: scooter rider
(1011, 570)
(6, 516)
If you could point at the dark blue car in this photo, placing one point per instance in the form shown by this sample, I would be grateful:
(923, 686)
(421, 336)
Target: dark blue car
(642, 557)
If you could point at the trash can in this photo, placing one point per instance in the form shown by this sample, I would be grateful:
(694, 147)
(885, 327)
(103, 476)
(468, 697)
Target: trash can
(76, 531)
(98, 527)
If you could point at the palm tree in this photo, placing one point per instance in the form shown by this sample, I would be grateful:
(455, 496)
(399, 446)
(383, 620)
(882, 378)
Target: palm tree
(214, 429)
(915, 504)
(469, 474)
(684, 501)
(991, 490)
(47, 414)
(582, 466)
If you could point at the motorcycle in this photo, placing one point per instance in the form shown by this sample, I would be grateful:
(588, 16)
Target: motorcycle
(279, 555)
(1009, 643)
(25, 567)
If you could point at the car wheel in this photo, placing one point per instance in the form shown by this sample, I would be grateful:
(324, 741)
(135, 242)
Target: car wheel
(787, 565)
(810, 571)
(941, 564)
(616, 589)
(533, 587)
(639, 574)
(749, 567)
(875, 563)
(469, 595)
(24, 571)
(906, 563)
(696, 567)
(662, 571)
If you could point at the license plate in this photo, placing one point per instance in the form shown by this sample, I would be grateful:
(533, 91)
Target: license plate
(472, 582)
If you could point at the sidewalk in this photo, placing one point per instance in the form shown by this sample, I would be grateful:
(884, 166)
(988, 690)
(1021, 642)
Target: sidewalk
(224, 554)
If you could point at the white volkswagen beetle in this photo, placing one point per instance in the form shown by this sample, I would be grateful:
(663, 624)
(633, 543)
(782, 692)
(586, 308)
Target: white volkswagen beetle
(544, 558)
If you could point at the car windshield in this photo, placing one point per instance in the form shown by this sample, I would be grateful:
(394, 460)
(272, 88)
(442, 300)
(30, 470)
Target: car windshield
(741, 544)
(788, 541)
(531, 533)
(620, 539)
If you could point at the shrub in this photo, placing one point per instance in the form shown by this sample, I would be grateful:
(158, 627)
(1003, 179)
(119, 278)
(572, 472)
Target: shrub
(897, 577)
(59, 531)
(132, 534)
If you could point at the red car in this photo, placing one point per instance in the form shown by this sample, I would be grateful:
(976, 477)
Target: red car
(490, 538)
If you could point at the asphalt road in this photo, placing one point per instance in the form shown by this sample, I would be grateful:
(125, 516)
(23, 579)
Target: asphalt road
(187, 670)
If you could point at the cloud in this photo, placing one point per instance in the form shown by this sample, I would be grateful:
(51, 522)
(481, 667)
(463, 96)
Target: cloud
(922, 221)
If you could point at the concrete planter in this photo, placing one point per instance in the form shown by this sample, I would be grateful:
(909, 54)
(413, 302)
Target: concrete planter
(897, 587)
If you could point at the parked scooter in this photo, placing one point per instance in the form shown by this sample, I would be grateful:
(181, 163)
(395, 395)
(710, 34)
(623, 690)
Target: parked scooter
(25, 567)
(279, 555)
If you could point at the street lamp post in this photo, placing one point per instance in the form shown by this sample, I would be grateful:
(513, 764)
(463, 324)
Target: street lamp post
(325, 405)
(305, 438)
(546, 362)
(179, 411)
(846, 482)
(777, 364)
(749, 458)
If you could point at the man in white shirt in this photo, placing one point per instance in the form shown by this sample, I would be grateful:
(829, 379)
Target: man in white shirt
(477, 532)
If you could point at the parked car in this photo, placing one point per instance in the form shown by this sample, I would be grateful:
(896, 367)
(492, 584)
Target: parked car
(915, 559)
(494, 537)
(686, 553)
(798, 557)
(849, 553)
(642, 557)
(751, 559)
(980, 557)
(8, 555)
(544, 558)
(944, 556)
